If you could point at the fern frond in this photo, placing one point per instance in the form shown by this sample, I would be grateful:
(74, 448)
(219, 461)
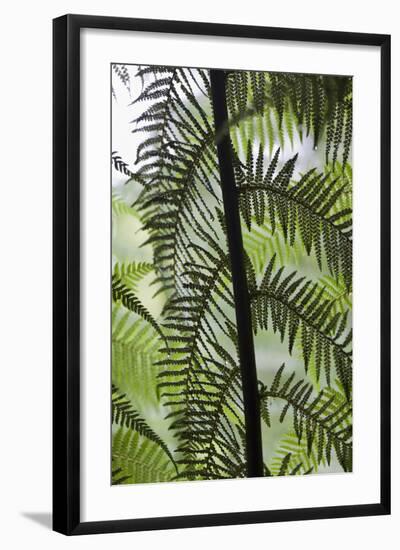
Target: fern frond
(178, 166)
(260, 243)
(291, 306)
(119, 164)
(201, 381)
(323, 422)
(131, 274)
(137, 459)
(120, 207)
(123, 414)
(300, 461)
(122, 72)
(123, 294)
(337, 293)
(211, 443)
(135, 352)
(317, 105)
(307, 208)
(118, 477)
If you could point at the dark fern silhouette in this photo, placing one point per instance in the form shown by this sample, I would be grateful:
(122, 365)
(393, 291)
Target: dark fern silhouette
(180, 399)
(123, 74)
(119, 164)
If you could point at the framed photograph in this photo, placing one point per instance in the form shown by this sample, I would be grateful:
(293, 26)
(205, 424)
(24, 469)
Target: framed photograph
(221, 274)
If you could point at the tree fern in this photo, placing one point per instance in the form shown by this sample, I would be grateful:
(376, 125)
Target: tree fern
(201, 379)
(177, 164)
(178, 400)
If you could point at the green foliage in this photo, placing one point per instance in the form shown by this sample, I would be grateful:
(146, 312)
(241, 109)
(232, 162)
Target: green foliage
(123, 294)
(136, 459)
(310, 104)
(292, 306)
(260, 243)
(177, 401)
(119, 206)
(131, 273)
(123, 414)
(336, 292)
(135, 352)
(200, 378)
(306, 209)
(321, 424)
(177, 164)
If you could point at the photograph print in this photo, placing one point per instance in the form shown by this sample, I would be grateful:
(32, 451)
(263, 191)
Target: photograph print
(231, 270)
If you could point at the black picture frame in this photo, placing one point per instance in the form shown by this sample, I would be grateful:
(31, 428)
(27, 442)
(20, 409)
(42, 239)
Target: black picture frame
(66, 273)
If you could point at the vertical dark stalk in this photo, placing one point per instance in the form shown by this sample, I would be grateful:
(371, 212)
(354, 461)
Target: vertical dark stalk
(243, 312)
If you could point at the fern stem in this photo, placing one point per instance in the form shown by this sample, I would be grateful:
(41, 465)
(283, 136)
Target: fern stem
(254, 457)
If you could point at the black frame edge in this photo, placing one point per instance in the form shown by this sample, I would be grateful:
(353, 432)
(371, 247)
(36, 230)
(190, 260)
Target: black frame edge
(226, 30)
(385, 241)
(226, 519)
(66, 274)
(66, 277)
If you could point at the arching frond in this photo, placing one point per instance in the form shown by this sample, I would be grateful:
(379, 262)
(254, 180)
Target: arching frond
(124, 414)
(322, 423)
(137, 459)
(201, 380)
(123, 294)
(320, 105)
(177, 164)
(290, 305)
(178, 406)
(132, 273)
(303, 209)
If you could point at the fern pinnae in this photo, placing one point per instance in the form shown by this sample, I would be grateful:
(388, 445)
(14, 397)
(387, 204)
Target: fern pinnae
(123, 294)
(290, 306)
(322, 423)
(220, 451)
(122, 72)
(132, 273)
(136, 459)
(190, 351)
(120, 165)
(191, 324)
(123, 414)
(304, 208)
(310, 103)
(119, 477)
(192, 384)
